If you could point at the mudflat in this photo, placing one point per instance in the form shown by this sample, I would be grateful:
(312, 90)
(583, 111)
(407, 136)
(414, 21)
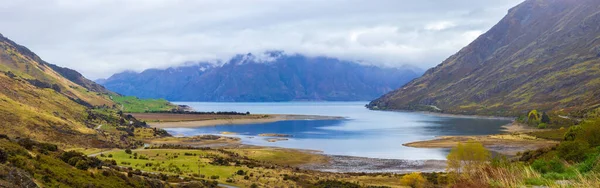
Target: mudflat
(165, 120)
(507, 144)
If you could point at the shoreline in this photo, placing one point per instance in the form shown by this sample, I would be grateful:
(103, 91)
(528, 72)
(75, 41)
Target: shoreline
(333, 163)
(510, 143)
(269, 118)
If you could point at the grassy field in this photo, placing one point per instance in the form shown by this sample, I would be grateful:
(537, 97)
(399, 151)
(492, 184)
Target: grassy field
(135, 105)
(281, 156)
(170, 161)
(266, 167)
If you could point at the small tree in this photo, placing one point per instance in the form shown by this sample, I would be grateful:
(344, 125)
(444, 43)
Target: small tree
(533, 116)
(128, 151)
(573, 151)
(572, 133)
(545, 118)
(414, 180)
(467, 158)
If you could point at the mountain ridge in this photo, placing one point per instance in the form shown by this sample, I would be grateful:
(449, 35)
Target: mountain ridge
(541, 55)
(267, 77)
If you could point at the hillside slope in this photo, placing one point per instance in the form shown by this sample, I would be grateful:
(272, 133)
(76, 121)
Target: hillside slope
(545, 55)
(48, 103)
(248, 78)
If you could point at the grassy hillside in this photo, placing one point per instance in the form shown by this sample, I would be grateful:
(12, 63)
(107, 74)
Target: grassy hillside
(542, 55)
(131, 104)
(48, 103)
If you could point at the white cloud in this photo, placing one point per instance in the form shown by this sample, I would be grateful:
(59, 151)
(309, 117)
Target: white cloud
(102, 37)
(438, 26)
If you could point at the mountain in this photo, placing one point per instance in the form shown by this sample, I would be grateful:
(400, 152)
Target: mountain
(273, 76)
(45, 102)
(545, 55)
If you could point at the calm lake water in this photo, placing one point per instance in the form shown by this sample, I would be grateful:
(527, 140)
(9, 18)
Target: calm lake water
(366, 133)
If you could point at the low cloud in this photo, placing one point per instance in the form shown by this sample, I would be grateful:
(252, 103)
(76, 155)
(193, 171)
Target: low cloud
(102, 37)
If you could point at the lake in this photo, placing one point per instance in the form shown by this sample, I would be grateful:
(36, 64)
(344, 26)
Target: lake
(365, 133)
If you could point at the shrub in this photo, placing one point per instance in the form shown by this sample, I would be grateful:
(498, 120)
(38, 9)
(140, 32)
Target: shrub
(572, 133)
(542, 126)
(572, 150)
(240, 172)
(66, 156)
(128, 151)
(82, 165)
(414, 180)
(109, 155)
(590, 133)
(26, 143)
(545, 118)
(214, 177)
(254, 185)
(544, 166)
(467, 157)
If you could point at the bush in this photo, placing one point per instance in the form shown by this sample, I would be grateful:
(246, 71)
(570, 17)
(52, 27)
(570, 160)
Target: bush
(414, 180)
(214, 177)
(26, 143)
(467, 157)
(572, 150)
(128, 151)
(544, 166)
(572, 133)
(66, 156)
(109, 155)
(82, 165)
(542, 126)
(545, 118)
(240, 172)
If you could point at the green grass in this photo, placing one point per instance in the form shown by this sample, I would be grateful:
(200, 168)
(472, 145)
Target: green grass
(132, 104)
(48, 170)
(167, 163)
(281, 156)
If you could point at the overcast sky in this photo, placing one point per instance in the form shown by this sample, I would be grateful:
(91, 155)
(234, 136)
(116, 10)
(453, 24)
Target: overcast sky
(101, 37)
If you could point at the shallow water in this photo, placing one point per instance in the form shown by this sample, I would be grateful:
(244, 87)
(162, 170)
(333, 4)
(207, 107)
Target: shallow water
(366, 133)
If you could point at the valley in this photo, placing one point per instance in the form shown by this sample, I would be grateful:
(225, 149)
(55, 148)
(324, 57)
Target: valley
(226, 104)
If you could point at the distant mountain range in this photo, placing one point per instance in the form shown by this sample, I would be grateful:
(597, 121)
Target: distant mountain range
(273, 76)
(543, 55)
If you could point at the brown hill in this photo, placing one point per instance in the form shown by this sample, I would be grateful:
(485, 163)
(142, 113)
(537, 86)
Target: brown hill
(545, 55)
(48, 103)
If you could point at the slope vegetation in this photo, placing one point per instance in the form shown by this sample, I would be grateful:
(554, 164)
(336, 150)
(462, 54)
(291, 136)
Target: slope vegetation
(48, 103)
(543, 55)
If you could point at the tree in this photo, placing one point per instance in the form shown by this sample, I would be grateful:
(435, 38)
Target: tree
(572, 150)
(128, 151)
(467, 158)
(533, 116)
(545, 118)
(414, 180)
(572, 133)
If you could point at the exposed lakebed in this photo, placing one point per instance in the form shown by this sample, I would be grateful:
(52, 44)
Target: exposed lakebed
(364, 133)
